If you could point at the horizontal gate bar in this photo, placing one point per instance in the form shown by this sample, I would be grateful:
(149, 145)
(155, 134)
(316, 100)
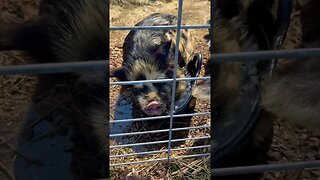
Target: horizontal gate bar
(159, 142)
(159, 27)
(161, 159)
(157, 81)
(157, 131)
(265, 168)
(47, 68)
(159, 151)
(161, 117)
(64, 67)
(266, 55)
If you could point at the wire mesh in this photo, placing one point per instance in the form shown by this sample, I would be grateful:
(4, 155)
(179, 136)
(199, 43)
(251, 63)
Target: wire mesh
(171, 114)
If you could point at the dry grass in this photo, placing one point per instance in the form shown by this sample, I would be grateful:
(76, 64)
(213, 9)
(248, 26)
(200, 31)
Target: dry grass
(184, 169)
(15, 94)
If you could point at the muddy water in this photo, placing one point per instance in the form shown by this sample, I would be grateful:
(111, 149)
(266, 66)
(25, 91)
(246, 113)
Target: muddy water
(123, 110)
(42, 154)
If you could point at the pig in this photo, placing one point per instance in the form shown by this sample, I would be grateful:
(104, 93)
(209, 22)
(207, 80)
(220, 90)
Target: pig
(149, 55)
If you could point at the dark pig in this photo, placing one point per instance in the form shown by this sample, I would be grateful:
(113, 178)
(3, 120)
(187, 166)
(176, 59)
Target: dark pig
(149, 55)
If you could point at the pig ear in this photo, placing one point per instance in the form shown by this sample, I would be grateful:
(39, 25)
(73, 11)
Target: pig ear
(119, 73)
(194, 66)
(163, 50)
(202, 90)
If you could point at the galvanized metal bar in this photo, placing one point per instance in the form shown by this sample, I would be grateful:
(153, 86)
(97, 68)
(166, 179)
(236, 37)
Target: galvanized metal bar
(158, 142)
(266, 168)
(137, 154)
(189, 148)
(122, 83)
(160, 159)
(138, 162)
(159, 151)
(48, 68)
(125, 28)
(176, 62)
(161, 117)
(191, 156)
(266, 55)
(157, 131)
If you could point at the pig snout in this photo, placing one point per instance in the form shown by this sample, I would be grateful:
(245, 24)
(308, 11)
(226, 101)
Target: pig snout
(154, 108)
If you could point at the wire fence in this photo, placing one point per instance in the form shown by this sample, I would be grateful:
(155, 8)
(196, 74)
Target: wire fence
(171, 114)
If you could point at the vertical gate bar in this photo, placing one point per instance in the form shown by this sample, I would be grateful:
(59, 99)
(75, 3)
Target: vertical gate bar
(176, 56)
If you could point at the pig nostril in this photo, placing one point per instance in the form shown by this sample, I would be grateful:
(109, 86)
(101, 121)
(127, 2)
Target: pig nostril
(153, 108)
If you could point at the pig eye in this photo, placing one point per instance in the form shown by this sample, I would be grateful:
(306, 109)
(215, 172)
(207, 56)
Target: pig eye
(140, 89)
(137, 88)
(169, 74)
(158, 86)
(141, 77)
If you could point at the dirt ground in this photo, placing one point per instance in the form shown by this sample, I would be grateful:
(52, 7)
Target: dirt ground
(293, 143)
(290, 143)
(16, 90)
